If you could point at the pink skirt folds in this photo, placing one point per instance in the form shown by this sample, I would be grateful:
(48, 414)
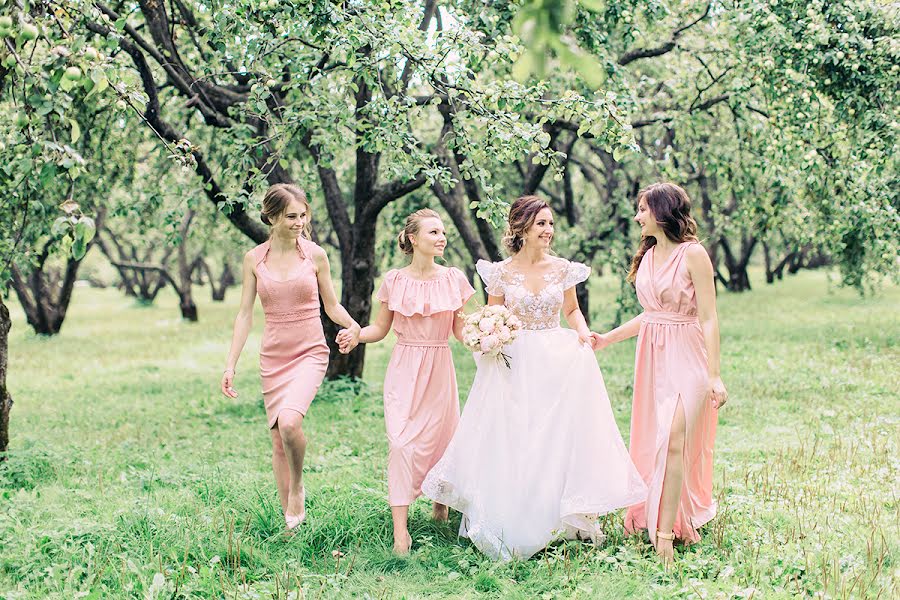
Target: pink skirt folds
(293, 358)
(421, 411)
(671, 369)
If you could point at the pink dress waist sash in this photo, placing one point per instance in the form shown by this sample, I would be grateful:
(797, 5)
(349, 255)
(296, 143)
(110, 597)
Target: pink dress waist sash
(423, 343)
(660, 317)
(293, 315)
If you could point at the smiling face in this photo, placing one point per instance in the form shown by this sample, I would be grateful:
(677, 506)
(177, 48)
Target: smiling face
(293, 220)
(646, 219)
(430, 239)
(540, 234)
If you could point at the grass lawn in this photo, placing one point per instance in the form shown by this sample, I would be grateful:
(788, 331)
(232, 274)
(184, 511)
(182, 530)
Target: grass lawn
(130, 476)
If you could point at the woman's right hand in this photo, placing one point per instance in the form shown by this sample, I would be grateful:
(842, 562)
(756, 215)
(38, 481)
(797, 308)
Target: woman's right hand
(599, 341)
(228, 383)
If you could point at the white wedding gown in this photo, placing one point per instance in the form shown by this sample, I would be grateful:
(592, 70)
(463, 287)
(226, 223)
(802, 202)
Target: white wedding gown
(537, 454)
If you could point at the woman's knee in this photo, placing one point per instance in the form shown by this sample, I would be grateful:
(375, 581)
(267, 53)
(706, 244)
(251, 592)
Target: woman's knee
(290, 426)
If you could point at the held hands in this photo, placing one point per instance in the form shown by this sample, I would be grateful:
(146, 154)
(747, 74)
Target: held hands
(347, 339)
(599, 341)
(585, 338)
(716, 392)
(228, 383)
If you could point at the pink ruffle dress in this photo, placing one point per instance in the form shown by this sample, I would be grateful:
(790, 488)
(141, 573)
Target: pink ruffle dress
(421, 401)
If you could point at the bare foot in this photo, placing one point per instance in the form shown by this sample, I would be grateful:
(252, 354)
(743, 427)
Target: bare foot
(664, 549)
(402, 546)
(440, 513)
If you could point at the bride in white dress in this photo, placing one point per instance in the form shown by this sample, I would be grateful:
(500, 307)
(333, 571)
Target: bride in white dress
(537, 455)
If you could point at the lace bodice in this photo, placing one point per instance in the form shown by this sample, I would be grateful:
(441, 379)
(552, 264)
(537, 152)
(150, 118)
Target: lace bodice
(536, 310)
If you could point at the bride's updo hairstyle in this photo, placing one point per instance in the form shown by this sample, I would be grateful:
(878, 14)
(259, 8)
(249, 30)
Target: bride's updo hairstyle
(411, 227)
(276, 200)
(671, 207)
(521, 217)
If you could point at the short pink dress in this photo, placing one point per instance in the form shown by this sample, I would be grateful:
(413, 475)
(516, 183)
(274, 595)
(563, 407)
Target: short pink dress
(293, 355)
(421, 401)
(670, 367)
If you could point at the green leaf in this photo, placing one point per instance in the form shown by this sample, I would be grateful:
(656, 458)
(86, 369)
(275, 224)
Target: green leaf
(60, 226)
(76, 130)
(67, 85)
(79, 248)
(85, 229)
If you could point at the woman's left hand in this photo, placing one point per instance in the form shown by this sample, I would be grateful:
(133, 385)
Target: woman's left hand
(348, 339)
(717, 393)
(586, 339)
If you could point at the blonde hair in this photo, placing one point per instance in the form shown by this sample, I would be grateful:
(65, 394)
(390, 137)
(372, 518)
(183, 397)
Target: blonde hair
(412, 228)
(522, 214)
(276, 200)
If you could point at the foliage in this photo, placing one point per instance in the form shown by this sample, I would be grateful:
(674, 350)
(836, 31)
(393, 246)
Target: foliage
(55, 95)
(785, 111)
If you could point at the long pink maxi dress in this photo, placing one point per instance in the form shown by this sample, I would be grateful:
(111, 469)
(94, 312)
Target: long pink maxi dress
(421, 402)
(671, 367)
(293, 355)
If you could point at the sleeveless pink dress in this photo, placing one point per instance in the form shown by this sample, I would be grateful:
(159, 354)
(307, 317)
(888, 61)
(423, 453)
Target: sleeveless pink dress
(421, 401)
(293, 355)
(670, 366)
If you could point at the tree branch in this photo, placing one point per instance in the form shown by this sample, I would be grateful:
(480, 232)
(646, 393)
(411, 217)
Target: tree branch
(639, 53)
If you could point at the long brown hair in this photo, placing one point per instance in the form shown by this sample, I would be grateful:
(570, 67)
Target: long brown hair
(413, 222)
(522, 214)
(275, 202)
(671, 207)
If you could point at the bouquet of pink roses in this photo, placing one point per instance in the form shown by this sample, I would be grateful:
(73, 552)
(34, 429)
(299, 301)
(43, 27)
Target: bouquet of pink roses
(489, 329)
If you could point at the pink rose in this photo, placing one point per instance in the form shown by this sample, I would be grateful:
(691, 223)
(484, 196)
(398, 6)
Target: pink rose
(489, 343)
(487, 325)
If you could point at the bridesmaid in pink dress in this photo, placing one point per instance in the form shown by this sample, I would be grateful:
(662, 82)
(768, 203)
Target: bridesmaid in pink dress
(421, 402)
(289, 272)
(677, 387)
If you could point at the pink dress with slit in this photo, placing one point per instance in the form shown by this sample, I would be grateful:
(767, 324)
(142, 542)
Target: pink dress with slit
(421, 402)
(293, 355)
(670, 366)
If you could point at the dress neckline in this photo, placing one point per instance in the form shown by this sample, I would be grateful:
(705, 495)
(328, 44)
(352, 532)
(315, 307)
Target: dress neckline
(522, 278)
(653, 267)
(303, 258)
(438, 278)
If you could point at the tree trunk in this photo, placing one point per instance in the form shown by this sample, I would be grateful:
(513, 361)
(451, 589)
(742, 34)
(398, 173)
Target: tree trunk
(219, 285)
(767, 255)
(5, 397)
(45, 292)
(774, 272)
(738, 279)
(454, 204)
(358, 283)
(584, 301)
(485, 231)
(185, 272)
(143, 284)
(712, 235)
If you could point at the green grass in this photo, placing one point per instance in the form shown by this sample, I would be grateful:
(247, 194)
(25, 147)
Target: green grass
(131, 476)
